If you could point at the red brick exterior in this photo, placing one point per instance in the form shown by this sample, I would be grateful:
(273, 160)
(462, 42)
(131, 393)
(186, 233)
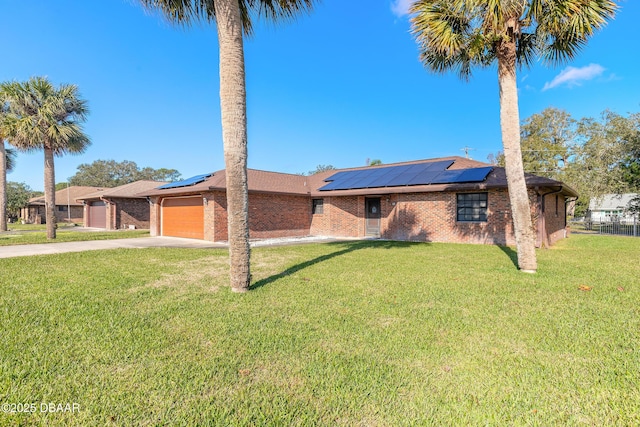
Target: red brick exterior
(554, 218)
(154, 217)
(126, 212)
(429, 217)
(35, 214)
(270, 216)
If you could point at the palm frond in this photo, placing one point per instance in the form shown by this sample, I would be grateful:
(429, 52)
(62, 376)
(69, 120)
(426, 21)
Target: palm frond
(10, 156)
(566, 25)
(188, 12)
(42, 116)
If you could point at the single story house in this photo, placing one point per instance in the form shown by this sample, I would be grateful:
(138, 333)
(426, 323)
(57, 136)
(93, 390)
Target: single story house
(68, 209)
(118, 207)
(610, 208)
(451, 199)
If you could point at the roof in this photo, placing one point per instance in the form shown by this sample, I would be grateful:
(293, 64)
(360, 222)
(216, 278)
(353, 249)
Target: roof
(258, 181)
(282, 183)
(126, 191)
(611, 202)
(68, 196)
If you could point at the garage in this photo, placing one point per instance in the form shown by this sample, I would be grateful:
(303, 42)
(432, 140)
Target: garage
(183, 217)
(97, 215)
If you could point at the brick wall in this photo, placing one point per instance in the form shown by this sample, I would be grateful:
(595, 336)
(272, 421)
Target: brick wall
(341, 217)
(63, 215)
(270, 216)
(36, 214)
(154, 216)
(128, 212)
(427, 217)
(554, 219)
(414, 216)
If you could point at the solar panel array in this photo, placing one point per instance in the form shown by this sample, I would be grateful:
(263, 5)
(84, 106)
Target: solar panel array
(186, 182)
(404, 175)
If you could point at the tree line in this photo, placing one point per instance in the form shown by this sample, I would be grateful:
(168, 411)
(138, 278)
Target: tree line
(595, 156)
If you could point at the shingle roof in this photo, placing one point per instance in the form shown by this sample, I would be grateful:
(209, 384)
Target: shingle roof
(68, 196)
(126, 191)
(257, 181)
(275, 182)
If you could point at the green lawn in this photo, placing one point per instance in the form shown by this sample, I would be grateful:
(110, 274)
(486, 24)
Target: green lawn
(62, 235)
(347, 334)
(16, 226)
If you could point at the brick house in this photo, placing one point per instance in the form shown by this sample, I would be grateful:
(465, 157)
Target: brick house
(449, 199)
(68, 209)
(118, 207)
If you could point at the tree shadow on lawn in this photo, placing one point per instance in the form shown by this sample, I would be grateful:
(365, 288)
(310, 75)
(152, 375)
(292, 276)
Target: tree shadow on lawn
(347, 247)
(511, 253)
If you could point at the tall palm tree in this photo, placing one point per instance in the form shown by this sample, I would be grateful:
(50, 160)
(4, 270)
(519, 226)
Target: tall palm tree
(4, 166)
(43, 117)
(233, 20)
(7, 161)
(461, 34)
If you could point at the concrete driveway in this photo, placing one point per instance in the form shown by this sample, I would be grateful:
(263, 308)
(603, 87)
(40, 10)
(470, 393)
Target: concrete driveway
(92, 245)
(148, 242)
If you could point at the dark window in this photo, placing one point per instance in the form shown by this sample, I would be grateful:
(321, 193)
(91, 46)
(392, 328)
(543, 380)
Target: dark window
(318, 206)
(62, 208)
(557, 204)
(472, 207)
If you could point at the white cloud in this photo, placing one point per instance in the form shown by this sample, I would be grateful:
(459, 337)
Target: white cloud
(400, 8)
(572, 76)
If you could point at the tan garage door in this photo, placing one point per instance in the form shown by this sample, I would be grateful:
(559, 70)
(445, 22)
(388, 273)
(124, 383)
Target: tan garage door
(97, 215)
(183, 217)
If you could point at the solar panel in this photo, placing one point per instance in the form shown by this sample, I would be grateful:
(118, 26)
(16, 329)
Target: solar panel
(475, 175)
(462, 175)
(404, 175)
(186, 182)
(423, 178)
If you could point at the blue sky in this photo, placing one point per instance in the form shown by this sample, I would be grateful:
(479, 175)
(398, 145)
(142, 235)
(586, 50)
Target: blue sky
(338, 86)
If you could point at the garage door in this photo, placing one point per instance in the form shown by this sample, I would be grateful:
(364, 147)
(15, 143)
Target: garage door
(97, 215)
(183, 217)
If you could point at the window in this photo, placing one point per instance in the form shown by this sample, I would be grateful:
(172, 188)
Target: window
(318, 206)
(472, 207)
(62, 208)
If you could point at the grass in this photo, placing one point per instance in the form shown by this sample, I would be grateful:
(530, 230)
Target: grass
(347, 334)
(15, 226)
(34, 237)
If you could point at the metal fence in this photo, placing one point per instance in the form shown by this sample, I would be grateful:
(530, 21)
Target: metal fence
(629, 227)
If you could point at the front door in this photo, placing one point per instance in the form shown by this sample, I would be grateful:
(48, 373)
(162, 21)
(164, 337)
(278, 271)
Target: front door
(372, 218)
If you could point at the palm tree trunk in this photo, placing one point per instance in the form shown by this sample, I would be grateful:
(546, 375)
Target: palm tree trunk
(50, 193)
(3, 187)
(234, 136)
(510, 124)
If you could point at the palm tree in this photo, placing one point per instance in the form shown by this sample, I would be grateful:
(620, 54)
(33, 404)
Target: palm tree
(233, 20)
(43, 117)
(461, 34)
(7, 162)
(9, 156)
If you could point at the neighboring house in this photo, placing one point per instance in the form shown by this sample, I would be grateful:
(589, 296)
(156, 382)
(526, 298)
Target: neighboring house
(610, 207)
(119, 207)
(68, 209)
(437, 200)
